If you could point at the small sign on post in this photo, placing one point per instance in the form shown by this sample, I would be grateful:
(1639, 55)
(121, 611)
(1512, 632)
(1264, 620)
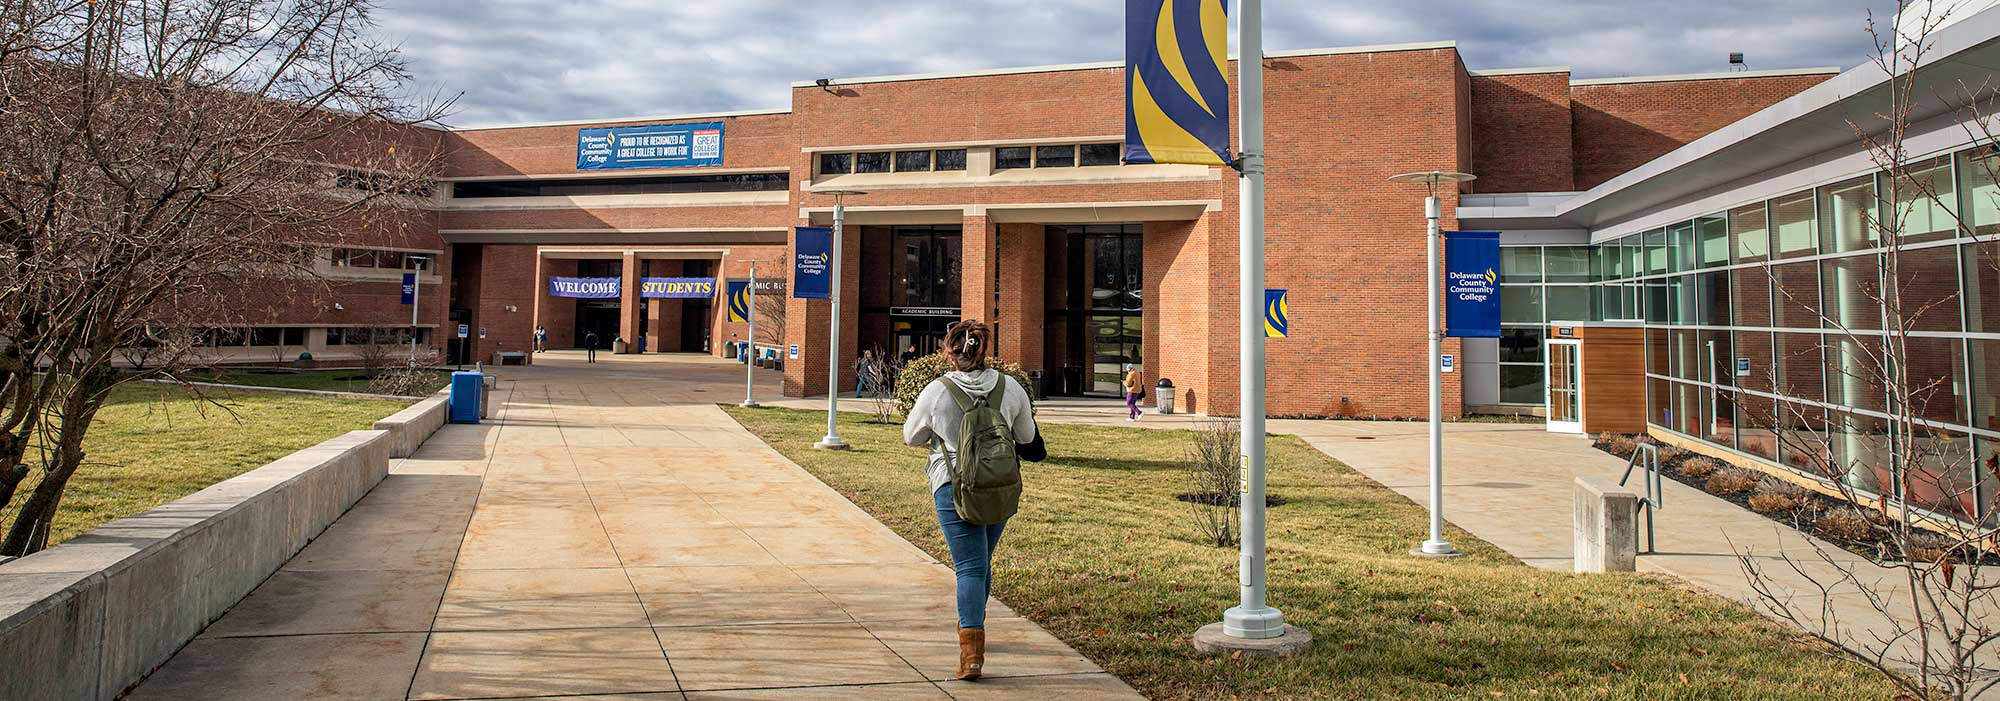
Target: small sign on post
(1742, 367)
(464, 330)
(1277, 314)
(1445, 362)
(409, 288)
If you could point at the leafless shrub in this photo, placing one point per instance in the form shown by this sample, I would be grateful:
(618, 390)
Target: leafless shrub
(1774, 495)
(1213, 467)
(1846, 524)
(1730, 480)
(1699, 468)
(1617, 444)
(414, 378)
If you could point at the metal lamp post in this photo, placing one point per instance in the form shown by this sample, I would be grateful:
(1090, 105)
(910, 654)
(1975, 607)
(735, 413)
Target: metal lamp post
(1436, 546)
(750, 368)
(416, 303)
(832, 440)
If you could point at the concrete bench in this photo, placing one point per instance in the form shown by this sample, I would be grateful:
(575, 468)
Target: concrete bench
(1606, 526)
(409, 428)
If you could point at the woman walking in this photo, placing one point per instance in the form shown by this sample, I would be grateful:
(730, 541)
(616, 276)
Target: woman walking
(935, 421)
(1135, 387)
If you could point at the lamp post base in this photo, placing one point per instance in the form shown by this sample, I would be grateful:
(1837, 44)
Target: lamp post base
(1290, 641)
(749, 404)
(832, 443)
(1436, 549)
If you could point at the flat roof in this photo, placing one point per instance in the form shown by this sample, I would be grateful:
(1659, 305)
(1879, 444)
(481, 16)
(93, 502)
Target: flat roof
(626, 120)
(1097, 65)
(1722, 75)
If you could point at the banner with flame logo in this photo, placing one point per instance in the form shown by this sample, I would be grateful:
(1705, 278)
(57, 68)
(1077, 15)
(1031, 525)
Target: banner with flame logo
(812, 269)
(1176, 82)
(1472, 284)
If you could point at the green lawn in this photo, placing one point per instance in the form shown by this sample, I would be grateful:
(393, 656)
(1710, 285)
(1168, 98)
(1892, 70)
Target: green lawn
(153, 444)
(1104, 557)
(342, 380)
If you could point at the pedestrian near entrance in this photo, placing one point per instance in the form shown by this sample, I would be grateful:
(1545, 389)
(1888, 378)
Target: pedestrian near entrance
(939, 419)
(910, 354)
(541, 339)
(1135, 389)
(590, 347)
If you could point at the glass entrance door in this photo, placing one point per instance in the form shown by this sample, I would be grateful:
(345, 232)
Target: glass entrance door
(1565, 383)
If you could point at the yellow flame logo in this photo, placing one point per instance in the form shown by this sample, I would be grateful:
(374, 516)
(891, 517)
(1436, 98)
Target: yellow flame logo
(1491, 277)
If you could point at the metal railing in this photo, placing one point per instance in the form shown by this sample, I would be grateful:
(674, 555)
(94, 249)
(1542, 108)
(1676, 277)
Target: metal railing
(1655, 493)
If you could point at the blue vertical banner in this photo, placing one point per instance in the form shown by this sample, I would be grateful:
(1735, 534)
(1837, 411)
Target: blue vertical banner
(812, 269)
(1277, 314)
(1176, 89)
(409, 288)
(1472, 284)
(739, 301)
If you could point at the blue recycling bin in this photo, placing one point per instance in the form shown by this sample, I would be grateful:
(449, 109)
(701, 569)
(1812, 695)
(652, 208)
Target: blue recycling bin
(466, 388)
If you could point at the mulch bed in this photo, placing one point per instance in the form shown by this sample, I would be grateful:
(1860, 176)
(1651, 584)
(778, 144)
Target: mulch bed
(1804, 518)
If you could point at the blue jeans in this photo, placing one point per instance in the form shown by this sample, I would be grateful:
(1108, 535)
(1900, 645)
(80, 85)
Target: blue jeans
(971, 558)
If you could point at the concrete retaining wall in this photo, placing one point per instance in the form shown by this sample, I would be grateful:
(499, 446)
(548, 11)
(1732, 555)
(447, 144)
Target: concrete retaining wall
(409, 428)
(87, 618)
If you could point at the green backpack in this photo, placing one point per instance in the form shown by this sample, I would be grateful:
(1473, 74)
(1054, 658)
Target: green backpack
(985, 472)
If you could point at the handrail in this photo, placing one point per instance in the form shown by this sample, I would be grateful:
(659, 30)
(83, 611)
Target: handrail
(1655, 489)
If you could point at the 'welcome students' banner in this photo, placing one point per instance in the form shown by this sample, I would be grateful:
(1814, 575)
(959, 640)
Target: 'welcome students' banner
(585, 287)
(812, 272)
(1472, 284)
(677, 287)
(1176, 97)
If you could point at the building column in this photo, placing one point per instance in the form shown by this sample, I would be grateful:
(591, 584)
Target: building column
(629, 304)
(663, 316)
(1018, 317)
(979, 269)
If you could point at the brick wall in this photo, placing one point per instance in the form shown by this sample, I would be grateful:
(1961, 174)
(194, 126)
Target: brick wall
(1520, 127)
(1621, 126)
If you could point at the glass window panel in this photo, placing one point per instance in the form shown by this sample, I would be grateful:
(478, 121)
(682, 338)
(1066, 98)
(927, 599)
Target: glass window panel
(1848, 208)
(1567, 263)
(1936, 377)
(1521, 304)
(1712, 238)
(1979, 177)
(1635, 255)
(295, 336)
(1100, 154)
(836, 163)
(265, 336)
(1719, 426)
(1680, 299)
(1656, 252)
(1656, 296)
(1985, 357)
(1684, 355)
(1754, 346)
(1568, 302)
(1013, 157)
(1803, 438)
(913, 161)
(1941, 478)
(1986, 476)
(1609, 302)
(1795, 294)
(1656, 351)
(1684, 247)
(1927, 284)
(1796, 230)
(1521, 264)
(1754, 420)
(1523, 384)
(1055, 156)
(1750, 291)
(1982, 286)
(1749, 230)
(875, 162)
(1521, 344)
(1926, 204)
(1686, 416)
(1801, 363)
(950, 159)
(1850, 288)
(335, 337)
(1604, 262)
(1659, 402)
(1854, 372)
(1860, 451)
(1712, 294)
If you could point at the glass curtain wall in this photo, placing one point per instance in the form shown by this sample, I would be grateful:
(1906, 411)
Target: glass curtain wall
(1769, 329)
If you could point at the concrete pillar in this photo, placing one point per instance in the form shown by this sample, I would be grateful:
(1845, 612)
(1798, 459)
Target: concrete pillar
(1606, 526)
(628, 304)
(1021, 309)
(663, 316)
(979, 269)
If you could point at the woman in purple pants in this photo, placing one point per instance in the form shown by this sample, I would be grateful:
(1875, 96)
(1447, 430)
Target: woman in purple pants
(1135, 386)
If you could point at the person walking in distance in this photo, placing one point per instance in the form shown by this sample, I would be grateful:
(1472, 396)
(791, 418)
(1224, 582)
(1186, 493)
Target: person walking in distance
(974, 420)
(1135, 388)
(541, 339)
(590, 347)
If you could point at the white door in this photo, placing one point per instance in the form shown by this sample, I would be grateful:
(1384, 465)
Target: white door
(1565, 383)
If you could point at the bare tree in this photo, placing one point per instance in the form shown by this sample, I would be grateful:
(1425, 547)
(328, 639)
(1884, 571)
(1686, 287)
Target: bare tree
(161, 162)
(1920, 608)
(1213, 469)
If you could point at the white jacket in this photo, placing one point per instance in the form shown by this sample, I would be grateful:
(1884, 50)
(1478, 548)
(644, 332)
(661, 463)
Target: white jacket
(934, 419)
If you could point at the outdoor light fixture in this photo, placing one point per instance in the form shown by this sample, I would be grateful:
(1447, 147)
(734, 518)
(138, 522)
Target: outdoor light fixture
(1436, 546)
(416, 301)
(826, 84)
(750, 312)
(832, 440)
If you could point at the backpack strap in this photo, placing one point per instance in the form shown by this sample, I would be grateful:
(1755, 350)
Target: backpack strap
(958, 395)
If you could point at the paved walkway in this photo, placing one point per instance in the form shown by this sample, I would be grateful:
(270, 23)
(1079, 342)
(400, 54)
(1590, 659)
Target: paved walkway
(612, 532)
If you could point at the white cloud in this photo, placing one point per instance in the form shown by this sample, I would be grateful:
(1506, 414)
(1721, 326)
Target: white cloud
(526, 60)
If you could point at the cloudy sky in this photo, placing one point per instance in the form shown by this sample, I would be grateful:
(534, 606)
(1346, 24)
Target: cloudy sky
(534, 60)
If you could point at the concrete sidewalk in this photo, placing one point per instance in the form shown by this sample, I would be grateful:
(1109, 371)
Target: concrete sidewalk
(612, 532)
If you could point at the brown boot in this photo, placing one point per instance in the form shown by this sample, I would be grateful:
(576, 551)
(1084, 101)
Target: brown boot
(971, 652)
